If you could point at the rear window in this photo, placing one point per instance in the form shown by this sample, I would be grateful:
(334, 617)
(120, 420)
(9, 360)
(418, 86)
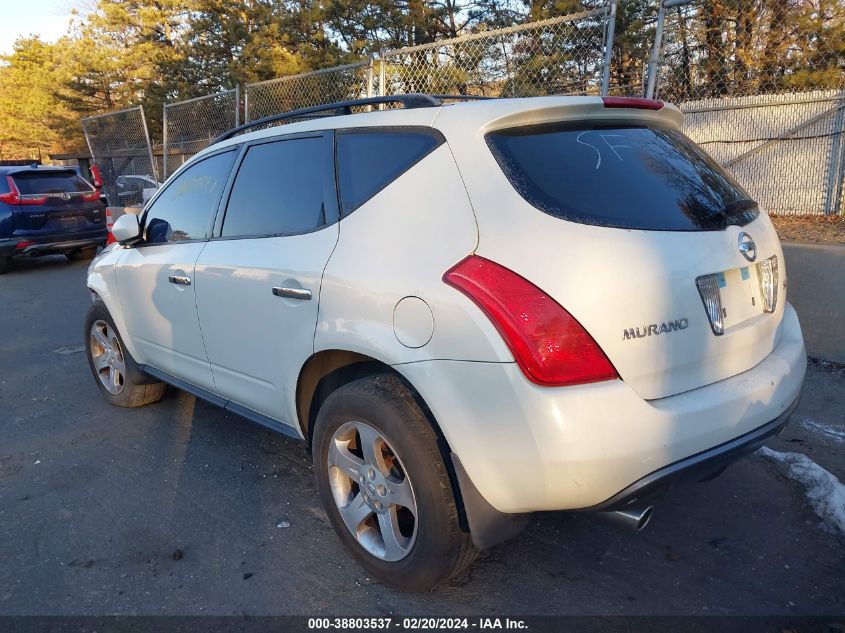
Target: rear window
(370, 159)
(625, 176)
(50, 182)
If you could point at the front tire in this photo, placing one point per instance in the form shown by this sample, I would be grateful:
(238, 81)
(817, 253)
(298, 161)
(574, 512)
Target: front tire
(385, 486)
(116, 373)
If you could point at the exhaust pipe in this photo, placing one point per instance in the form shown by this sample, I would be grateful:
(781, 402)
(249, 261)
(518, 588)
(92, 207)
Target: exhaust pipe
(633, 518)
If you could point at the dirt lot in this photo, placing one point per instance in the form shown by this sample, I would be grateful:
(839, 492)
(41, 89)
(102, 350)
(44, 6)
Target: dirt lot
(180, 508)
(811, 228)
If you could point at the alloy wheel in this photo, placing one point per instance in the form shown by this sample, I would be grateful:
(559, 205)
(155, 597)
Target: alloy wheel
(372, 491)
(107, 356)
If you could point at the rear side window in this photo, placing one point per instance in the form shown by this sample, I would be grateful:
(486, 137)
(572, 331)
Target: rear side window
(183, 211)
(50, 182)
(625, 176)
(370, 159)
(281, 188)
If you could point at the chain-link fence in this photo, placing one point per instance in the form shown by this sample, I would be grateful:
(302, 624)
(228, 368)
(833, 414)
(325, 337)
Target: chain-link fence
(120, 145)
(564, 55)
(761, 82)
(786, 150)
(713, 49)
(340, 83)
(761, 85)
(191, 125)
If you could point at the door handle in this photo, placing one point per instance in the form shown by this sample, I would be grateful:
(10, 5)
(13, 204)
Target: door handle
(180, 280)
(302, 294)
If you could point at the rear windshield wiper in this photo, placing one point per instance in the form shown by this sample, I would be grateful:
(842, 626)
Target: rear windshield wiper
(743, 204)
(740, 211)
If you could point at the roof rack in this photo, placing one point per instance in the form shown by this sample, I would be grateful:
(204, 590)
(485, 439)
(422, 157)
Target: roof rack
(411, 100)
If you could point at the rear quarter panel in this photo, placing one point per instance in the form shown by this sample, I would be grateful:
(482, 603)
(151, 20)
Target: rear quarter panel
(399, 244)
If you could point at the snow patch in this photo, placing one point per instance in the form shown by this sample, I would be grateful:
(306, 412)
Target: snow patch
(824, 491)
(823, 429)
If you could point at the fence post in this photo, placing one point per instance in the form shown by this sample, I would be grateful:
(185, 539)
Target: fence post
(246, 104)
(370, 76)
(656, 51)
(164, 149)
(382, 89)
(608, 53)
(149, 144)
(836, 164)
(237, 105)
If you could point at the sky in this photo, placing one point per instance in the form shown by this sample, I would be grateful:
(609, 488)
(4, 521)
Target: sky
(47, 18)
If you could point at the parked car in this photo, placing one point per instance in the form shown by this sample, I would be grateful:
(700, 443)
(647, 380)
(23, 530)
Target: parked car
(46, 210)
(468, 313)
(133, 190)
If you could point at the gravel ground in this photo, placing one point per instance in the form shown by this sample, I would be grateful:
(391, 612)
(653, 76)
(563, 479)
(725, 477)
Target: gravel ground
(180, 508)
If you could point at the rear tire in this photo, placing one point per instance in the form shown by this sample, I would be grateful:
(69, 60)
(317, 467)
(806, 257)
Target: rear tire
(120, 380)
(82, 254)
(5, 263)
(410, 549)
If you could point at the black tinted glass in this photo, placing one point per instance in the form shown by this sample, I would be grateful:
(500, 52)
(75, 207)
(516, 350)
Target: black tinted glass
(280, 188)
(620, 176)
(45, 182)
(369, 160)
(184, 209)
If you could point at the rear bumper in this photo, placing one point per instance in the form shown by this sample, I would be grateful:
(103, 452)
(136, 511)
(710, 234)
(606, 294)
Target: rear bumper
(699, 467)
(44, 245)
(528, 448)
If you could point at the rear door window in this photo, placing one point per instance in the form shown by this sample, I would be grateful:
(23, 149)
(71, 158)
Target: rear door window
(185, 208)
(282, 187)
(35, 182)
(616, 175)
(369, 159)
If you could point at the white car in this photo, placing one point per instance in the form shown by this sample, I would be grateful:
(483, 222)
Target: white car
(134, 189)
(468, 313)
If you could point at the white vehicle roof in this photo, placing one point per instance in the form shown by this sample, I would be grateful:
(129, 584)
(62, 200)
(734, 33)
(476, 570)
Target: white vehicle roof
(481, 115)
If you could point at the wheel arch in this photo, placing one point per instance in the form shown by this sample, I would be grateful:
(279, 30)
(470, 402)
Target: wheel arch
(327, 370)
(99, 291)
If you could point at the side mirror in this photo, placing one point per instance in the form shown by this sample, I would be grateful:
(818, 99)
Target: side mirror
(126, 228)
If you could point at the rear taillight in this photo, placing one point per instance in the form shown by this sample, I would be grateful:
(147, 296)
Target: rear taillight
(14, 196)
(94, 196)
(767, 273)
(549, 345)
(632, 102)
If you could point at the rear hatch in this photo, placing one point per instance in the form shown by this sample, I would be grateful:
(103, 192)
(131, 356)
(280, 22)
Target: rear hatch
(52, 202)
(646, 241)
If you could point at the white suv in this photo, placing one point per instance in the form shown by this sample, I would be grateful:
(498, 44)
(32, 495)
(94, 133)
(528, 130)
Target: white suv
(468, 312)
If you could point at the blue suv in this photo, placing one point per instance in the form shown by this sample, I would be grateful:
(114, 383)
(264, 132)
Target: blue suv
(47, 210)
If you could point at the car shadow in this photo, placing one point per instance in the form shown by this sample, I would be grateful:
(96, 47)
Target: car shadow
(24, 265)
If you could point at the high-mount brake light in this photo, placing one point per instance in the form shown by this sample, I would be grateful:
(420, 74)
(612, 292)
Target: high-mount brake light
(632, 102)
(14, 195)
(549, 345)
